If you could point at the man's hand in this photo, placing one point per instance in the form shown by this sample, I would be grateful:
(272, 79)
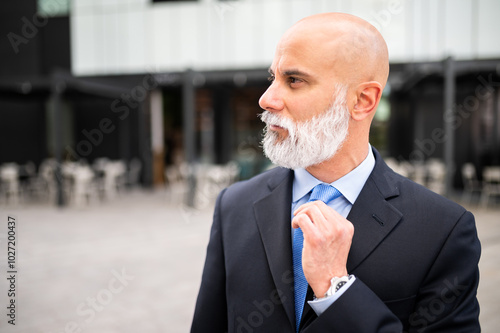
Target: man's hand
(327, 241)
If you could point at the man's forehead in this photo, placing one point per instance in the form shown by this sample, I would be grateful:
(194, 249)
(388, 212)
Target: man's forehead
(297, 62)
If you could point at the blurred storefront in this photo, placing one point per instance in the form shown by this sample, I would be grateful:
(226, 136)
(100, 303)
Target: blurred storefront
(86, 81)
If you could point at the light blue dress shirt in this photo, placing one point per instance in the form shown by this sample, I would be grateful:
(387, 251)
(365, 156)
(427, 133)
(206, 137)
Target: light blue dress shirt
(350, 186)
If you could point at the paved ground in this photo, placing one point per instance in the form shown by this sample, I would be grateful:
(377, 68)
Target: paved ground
(134, 265)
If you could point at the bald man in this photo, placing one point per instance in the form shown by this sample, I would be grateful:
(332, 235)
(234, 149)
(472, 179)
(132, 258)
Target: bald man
(381, 254)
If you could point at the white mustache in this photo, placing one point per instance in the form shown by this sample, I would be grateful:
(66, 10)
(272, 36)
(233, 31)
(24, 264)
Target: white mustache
(272, 119)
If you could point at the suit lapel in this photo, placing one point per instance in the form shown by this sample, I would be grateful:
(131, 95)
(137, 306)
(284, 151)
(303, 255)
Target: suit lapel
(372, 215)
(272, 213)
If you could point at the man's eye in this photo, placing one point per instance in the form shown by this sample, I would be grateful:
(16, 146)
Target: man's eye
(270, 78)
(293, 80)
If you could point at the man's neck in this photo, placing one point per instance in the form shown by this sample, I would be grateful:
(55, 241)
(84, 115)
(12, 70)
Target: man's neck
(343, 162)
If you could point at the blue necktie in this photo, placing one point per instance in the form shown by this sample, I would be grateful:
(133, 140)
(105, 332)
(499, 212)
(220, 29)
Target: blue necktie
(325, 193)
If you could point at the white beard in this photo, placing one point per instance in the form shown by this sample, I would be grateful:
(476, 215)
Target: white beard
(310, 142)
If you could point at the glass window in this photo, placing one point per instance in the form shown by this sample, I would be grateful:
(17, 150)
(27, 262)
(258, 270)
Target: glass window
(53, 7)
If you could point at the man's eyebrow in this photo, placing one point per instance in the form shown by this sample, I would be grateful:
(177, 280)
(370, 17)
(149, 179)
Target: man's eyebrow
(296, 72)
(291, 72)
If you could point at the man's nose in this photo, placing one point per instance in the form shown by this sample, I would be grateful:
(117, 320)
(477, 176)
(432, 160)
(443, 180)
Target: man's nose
(272, 99)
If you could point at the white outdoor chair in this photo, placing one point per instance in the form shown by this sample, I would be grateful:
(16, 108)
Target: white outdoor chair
(9, 178)
(491, 184)
(436, 174)
(471, 183)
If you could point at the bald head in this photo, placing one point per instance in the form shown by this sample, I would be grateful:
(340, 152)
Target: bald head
(351, 46)
(328, 65)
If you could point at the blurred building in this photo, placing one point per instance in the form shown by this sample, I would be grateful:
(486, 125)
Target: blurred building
(171, 81)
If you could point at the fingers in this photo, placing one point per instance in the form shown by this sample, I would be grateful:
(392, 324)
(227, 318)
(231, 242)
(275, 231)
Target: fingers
(306, 215)
(307, 226)
(305, 206)
(323, 208)
(317, 212)
(320, 222)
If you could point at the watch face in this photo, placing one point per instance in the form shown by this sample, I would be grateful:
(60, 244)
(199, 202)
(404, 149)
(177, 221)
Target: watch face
(340, 285)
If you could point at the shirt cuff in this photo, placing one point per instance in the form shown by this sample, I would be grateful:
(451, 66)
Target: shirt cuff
(320, 305)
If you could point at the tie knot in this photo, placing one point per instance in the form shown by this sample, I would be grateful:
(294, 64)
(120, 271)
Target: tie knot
(324, 192)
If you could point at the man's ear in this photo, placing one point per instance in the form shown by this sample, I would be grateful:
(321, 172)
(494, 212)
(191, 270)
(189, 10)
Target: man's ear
(368, 95)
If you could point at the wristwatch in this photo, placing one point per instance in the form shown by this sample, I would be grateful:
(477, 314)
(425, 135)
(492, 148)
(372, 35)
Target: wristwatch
(336, 284)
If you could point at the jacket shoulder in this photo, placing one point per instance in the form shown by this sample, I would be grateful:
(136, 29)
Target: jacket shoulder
(260, 183)
(408, 195)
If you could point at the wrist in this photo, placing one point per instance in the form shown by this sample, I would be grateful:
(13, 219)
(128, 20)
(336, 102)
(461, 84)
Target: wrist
(321, 290)
(336, 283)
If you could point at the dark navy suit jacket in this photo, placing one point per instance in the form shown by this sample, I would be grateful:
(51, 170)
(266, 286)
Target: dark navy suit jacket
(414, 253)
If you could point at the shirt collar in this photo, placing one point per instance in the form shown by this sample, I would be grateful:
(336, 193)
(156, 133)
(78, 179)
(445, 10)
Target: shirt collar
(350, 185)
